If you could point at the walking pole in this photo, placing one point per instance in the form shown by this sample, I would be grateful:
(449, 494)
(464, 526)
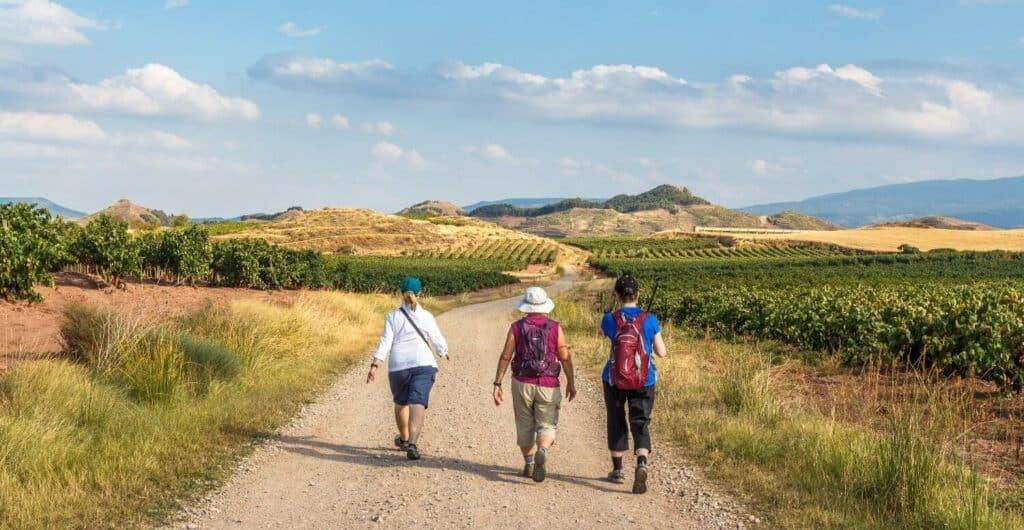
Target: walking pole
(654, 296)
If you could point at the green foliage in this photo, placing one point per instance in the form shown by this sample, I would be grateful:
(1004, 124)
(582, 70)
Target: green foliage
(180, 221)
(31, 249)
(663, 197)
(186, 254)
(507, 210)
(106, 245)
(909, 249)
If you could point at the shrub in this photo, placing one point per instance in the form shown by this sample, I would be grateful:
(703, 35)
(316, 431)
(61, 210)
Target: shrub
(105, 244)
(31, 249)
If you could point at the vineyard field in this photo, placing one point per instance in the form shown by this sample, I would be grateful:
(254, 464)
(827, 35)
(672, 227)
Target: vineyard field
(516, 253)
(960, 312)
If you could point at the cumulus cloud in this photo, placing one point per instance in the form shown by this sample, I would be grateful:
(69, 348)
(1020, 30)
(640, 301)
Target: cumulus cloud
(488, 151)
(388, 152)
(156, 90)
(339, 122)
(293, 30)
(174, 4)
(855, 12)
(313, 120)
(49, 127)
(382, 128)
(43, 22)
(823, 100)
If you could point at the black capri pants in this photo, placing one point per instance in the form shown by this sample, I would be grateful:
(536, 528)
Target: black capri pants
(639, 404)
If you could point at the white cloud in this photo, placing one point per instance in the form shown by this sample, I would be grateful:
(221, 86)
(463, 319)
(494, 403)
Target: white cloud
(389, 153)
(313, 120)
(488, 151)
(293, 30)
(43, 22)
(49, 127)
(156, 90)
(771, 168)
(174, 4)
(382, 128)
(339, 122)
(817, 101)
(155, 139)
(855, 12)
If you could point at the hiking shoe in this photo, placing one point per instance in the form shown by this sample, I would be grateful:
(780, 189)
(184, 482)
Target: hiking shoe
(403, 446)
(640, 479)
(528, 470)
(412, 452)
(539, 471)
(617, 476)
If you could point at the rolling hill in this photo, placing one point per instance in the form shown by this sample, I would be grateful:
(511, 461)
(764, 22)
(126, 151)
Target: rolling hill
(663, 208)
(136, 216)
(521, 202)
(53, 207)
(433, 209)
(998, 203)
(366, 232)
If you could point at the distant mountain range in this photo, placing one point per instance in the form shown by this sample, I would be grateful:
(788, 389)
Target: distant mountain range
(998, 203)
(54, 208)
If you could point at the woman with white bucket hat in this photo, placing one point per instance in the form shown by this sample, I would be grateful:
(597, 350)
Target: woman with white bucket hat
(536, 349)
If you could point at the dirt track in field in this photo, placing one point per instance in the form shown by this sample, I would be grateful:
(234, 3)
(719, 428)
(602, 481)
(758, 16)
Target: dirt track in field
(335, 466)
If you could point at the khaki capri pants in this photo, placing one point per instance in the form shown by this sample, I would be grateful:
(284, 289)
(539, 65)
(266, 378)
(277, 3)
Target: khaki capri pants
(536, 408)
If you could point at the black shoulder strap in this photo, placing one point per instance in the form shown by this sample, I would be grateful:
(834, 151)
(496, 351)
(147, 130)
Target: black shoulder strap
(417, 328)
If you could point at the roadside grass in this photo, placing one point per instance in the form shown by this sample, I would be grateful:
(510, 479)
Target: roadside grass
(139, 418)
(868, 460)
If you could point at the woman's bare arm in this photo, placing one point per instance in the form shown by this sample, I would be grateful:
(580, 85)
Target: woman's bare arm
(503, 362)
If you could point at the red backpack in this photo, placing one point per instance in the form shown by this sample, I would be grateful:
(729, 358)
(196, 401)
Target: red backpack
(630, 360)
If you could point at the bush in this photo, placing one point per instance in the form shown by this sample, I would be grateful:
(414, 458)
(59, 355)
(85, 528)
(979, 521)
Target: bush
(909, 249)
(31, 250)
(186, 254)
(105, 245)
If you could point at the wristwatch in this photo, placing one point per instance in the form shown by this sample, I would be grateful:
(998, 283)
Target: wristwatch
(497, 385)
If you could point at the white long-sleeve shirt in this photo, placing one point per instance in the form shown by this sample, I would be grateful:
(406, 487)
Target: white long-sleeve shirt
(403, 347)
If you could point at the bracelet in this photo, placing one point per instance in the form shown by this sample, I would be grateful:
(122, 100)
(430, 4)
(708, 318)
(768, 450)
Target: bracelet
(497, 385)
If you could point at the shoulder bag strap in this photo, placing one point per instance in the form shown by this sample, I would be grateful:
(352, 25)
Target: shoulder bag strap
(417, 328)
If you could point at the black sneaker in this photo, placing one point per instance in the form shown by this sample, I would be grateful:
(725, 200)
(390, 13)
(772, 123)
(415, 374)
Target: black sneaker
(640, 479)
(412, 452)
(540, 459)
(617, 476)
(401, 445)
(528, 470)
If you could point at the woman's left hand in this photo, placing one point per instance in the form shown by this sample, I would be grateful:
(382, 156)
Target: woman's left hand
(371, 377)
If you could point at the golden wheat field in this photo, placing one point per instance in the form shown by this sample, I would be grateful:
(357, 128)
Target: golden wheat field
(890, 238)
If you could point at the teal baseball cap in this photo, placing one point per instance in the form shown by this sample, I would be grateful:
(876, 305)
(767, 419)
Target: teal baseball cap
(411, 285)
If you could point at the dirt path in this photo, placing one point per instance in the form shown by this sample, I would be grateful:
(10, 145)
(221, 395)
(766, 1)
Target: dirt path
(335, 467)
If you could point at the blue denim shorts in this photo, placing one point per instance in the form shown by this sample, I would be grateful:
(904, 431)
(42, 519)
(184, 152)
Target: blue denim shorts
(412, 385)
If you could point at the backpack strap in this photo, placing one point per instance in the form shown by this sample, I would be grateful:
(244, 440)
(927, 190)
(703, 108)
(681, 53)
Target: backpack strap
(417, 328)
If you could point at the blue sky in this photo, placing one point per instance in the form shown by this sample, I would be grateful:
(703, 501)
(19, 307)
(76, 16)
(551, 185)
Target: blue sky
(228, 107)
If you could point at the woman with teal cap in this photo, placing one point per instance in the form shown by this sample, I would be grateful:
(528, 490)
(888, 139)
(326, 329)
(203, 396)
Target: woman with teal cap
(408, 343)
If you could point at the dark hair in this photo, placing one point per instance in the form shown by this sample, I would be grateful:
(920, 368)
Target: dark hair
(627, 288)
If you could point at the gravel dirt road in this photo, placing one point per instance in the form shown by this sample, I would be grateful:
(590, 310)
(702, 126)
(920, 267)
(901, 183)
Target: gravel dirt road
(335, 466)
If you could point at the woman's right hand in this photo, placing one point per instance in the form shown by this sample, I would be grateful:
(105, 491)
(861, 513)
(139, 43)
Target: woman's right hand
(371, 377)
(497, 396)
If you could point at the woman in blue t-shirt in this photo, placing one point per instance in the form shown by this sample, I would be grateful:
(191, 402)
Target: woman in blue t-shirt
(638, 402)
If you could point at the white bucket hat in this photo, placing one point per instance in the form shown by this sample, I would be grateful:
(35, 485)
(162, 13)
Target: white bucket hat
(536, 301)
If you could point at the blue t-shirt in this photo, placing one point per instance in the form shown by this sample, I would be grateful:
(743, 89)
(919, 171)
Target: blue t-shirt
(651, 328)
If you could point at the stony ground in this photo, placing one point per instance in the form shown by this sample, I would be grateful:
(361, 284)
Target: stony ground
(335, 466)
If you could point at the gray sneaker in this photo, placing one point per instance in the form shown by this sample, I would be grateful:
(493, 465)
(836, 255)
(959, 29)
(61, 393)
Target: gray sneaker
(617, 476)
(539, 471)
(640, 479)
(528, 470)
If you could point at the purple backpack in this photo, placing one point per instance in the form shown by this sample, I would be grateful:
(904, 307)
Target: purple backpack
(534, 356)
